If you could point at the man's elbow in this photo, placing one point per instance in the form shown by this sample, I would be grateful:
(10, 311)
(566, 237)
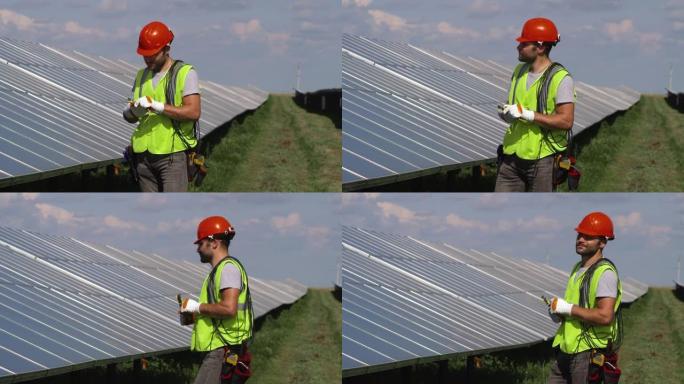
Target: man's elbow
(606, 319)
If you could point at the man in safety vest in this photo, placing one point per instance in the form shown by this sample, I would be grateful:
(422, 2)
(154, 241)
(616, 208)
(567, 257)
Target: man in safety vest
(540, 110)
(590, 329)
(166, 128)
(223, 316)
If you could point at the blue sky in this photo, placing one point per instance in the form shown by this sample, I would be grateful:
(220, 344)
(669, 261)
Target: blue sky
(649, 227)
(233, 42)
(603, 42)
(277, 235)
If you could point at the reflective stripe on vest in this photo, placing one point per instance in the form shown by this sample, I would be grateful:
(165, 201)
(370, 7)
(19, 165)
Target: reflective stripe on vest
(570, 330)
(526, 139)
(155, 132)
(234, 330)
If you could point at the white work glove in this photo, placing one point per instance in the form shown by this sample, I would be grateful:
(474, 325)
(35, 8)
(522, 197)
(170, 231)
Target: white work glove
(560, 306)
(148, 103)
(518, 112)
(502, 109)
(190, 305)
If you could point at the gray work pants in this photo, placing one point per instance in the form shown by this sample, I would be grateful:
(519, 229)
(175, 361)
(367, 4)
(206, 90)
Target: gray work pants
(162, 173)
(518, 175)
(570, 368)
(210, 370)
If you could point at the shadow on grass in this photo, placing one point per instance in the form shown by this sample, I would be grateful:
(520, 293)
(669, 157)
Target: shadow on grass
(530, 364)
(334, 114)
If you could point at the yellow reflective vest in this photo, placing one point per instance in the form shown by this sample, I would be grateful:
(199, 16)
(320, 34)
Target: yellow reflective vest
(234, 330)
(155, 132)
(525, 139)
(569, 334)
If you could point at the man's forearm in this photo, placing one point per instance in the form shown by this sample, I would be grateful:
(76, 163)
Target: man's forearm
(554, 121)
(182, 113)
(218, 311)
(593, 316)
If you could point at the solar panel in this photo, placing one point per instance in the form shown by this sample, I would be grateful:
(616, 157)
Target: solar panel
(409, 111)
(407, 301)
(62, 110)
(69, 304)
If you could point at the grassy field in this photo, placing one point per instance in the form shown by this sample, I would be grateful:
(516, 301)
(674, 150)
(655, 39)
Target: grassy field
(278, 147)
(301, 344)
(652, 352)
(641, 150)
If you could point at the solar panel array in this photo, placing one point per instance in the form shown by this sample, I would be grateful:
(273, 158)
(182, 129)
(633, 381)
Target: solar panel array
(409, 111)
(62, 109)
(407, 301)
(69, 304)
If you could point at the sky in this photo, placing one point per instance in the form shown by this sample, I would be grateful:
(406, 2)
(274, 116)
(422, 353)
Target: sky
(603, 42)
(278, 235)
(649, 227)
(232, 42)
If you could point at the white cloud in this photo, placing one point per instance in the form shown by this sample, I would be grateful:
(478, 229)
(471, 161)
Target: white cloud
(631, 220)
(620, 30)
(465, 224)
(115, 223)
(392, 22)
(49, 212)
(356, 3)
(74, 28)
(492, 200)
(113, 6)
(247, 29)
(402, 214)
(253, 31)
(624, 31)
(484, 8)
(457, 32)
(30, 196)
(287, 223)
(17, 20)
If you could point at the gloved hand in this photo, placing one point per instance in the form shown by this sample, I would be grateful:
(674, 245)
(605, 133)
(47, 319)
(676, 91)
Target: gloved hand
(518, 112)
(134, 112)
(502, 109)
(560, 306)
(148, 103)
(190, 305)
(555, 317)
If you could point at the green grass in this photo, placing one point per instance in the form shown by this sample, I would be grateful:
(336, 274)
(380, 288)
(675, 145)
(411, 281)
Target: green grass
(641, 150)
(280, 147)
(304, 345)
(653, 349)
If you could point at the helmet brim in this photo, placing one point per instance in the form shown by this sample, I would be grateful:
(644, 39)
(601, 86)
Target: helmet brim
(148, 52)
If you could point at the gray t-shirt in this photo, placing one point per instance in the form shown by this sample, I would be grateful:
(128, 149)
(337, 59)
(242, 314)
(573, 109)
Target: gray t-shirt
(566, 88)
(230, 277)
(191, 82)
(607, 285)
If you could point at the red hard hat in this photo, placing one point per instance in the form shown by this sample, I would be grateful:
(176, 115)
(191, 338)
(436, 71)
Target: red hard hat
(596, 224)
(153, 37)
(214, 225)
(539, 29)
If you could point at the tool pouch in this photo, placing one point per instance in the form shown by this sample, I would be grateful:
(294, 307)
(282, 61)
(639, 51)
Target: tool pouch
(236, 366)
(499, 155)
(197, 170)
(573, 178)
(560, 173)
(611, 372)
